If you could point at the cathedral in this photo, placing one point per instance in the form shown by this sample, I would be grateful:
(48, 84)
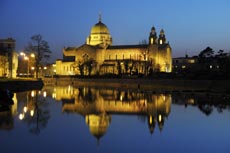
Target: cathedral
(99, 56)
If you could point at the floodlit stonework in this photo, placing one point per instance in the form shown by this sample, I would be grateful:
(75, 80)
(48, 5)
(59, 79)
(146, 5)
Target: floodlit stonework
(99, 56)
(8, 58)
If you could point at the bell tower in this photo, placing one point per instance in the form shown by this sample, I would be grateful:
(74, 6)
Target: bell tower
(162, 39)
(153, 36)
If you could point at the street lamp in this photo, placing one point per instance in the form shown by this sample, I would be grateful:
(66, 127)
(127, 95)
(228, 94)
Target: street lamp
(26, 57)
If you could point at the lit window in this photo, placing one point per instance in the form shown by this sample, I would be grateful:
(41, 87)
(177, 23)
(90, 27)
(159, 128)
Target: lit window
(191, 61)
(183, 67)
(161, 42)
(151, 41)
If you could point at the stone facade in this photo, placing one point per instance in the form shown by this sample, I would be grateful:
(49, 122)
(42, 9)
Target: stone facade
(8, 58)
(99, 56)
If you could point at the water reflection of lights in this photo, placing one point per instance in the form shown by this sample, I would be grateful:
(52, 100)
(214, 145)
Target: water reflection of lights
(44, 94)
(53, 95)
(159, 118)
(25, 112)
(32, 93)
(21, 116)
(69, 88)
(32, 113)
(25, 109)
(150, 119)
(191, 101)
(28, 108)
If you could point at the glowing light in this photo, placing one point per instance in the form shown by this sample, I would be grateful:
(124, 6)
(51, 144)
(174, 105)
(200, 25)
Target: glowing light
(44, 94)
(32, 94)
(150, 119)
(191, 101)
(45, 68)
(210, 66)
(54, 95)
(32, 55)
(22, 54)
(164, 97)
(25, 109)
(121, 98)
(191, 61)
(26, 58)
(151, 40)
(161, 42)
(159, 118)
(32, 113)
(21, 116)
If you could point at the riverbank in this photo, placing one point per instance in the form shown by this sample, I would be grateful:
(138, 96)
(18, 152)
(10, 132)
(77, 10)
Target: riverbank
(159, 85)
(18, 85)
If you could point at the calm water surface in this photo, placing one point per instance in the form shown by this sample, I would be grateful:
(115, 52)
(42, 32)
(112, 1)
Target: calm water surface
(67, 119)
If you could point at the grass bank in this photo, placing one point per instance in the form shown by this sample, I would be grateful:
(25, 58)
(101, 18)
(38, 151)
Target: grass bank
(161, 85)
(17, 85)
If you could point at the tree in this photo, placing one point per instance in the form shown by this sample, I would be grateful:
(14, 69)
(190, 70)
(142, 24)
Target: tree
(85, 67)
(221, 54)
(41, 49)
(126, 64)
(119, 68)
(207, 52)
(90, 63)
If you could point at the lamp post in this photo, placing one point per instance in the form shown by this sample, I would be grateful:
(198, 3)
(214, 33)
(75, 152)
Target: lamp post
(26, 57)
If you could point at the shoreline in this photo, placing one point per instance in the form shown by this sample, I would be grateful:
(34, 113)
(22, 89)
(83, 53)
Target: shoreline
(153, 85)
(157, 85)
(19, 85)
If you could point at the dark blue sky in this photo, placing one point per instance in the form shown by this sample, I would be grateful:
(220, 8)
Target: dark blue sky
(190, 25)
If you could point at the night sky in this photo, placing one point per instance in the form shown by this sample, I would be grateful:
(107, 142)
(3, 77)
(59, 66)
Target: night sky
(190, 25)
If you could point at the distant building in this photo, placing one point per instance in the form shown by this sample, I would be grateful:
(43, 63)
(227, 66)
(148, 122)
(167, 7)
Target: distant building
(215, 67)
(99, 56)
(8, 58)
(183, 63)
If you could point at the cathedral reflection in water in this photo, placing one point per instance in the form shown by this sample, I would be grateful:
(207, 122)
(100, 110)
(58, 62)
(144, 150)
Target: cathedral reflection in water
(97, 106)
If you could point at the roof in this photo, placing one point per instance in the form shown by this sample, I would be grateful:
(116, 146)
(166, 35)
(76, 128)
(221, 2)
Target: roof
(163, 46)
(70, 48)
(127, 46)
(84, 47)
(99, 28)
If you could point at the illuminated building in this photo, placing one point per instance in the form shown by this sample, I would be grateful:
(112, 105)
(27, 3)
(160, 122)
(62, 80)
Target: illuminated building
(99, 56)
(8, 58)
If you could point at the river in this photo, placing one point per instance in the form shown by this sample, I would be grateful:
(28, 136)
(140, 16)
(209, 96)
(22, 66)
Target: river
(82, 119)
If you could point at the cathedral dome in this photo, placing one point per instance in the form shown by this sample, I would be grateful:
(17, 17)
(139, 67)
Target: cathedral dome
(99, 35)
(99, 28)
